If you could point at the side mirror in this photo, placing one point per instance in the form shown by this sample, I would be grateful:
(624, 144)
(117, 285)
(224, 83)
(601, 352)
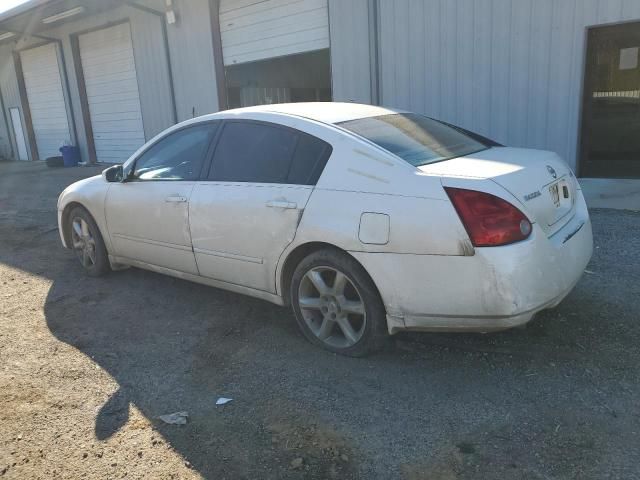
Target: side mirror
(113, 174)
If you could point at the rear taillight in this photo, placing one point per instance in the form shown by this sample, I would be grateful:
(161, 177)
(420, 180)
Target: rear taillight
(489, 220)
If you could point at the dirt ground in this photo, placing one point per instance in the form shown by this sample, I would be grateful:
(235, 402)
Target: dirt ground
(87, 365)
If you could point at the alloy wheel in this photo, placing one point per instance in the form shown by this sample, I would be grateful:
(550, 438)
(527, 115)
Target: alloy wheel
(83, 242)
(332, 307)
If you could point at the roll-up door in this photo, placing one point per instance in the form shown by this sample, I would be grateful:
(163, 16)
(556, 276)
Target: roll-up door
(112, 92)
(256, 30)
(43, 84)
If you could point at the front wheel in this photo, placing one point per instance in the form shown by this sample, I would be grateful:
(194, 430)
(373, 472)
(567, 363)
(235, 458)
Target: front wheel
(336, 304)
(87, 242)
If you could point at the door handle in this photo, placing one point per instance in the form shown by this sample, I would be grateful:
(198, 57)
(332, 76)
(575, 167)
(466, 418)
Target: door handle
(175, 199)
(282, 204)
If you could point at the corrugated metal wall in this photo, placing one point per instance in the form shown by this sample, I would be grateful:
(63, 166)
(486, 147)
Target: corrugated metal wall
(191, 46)
(509, 69)
(350, 54)
(151, 68)
(151, 63)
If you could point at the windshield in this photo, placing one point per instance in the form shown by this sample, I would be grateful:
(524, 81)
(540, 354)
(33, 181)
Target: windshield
(416, 139)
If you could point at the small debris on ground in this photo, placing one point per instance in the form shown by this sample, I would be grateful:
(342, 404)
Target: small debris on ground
(589, 272)
(177, 418)
(223, 401)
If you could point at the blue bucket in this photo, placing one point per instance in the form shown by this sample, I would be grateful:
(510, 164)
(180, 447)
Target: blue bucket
(70, 155)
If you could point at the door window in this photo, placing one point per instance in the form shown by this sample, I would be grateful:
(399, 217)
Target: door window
(178, 156)
(261, 153)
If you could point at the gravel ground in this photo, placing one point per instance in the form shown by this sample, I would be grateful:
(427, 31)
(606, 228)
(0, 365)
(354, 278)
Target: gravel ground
(87, 365)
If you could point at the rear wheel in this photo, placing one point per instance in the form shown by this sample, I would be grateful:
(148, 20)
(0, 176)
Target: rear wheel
(337, 305)
(87, 243)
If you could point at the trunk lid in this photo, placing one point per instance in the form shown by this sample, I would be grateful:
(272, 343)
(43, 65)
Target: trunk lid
(540, 180)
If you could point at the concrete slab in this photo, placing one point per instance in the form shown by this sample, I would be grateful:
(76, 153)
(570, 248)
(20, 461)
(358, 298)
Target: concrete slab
(618, 193)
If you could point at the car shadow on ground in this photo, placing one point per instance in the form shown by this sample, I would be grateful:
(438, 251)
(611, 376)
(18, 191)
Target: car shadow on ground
(172, 345)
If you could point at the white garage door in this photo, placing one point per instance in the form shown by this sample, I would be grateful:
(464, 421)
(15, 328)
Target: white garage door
(112, 92)
(42, 81)
(259, 29)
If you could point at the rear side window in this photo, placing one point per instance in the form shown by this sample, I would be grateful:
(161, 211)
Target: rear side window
(416, 139)
(309, 159)
(262, 153)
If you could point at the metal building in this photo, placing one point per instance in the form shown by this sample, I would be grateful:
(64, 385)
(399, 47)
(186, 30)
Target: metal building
(107, 75)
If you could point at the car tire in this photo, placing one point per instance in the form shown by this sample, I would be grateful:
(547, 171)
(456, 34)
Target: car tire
(336, 304)
(87, 243)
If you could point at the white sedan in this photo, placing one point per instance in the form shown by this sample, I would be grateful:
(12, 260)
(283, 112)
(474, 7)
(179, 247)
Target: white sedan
(367, 221)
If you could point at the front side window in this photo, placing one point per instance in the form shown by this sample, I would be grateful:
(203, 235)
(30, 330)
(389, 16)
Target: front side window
(262, 153)
(416, 139)
(178, 156)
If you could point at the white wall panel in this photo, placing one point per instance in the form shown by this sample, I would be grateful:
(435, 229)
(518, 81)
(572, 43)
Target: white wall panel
(191, 46)
(350, 50)
(258, 29)
(509, 69)
(46, 99)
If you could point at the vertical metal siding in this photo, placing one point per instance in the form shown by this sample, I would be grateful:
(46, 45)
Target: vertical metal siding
(509, 69)
(350, 55)
(191, 46)
(151, 63)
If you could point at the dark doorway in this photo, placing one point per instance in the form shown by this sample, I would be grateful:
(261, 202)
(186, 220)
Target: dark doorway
(304, 77)
(611, 109)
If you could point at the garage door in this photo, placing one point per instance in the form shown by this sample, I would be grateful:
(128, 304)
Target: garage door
(42, 82)
(112, 92)
(256, 30)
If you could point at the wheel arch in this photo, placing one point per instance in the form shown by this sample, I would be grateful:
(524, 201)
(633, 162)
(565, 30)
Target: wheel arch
(297, 254)
(64, 220)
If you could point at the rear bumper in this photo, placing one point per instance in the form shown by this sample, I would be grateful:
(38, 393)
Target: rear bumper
(495, 289)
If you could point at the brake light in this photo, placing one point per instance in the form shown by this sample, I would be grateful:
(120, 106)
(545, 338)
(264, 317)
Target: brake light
(490, 221)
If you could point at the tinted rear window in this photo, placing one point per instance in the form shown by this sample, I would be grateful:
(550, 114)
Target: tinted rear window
(414, 138)
(253, 152)
(264, 153)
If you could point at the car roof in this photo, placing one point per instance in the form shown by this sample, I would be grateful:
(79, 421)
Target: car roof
(325, 112)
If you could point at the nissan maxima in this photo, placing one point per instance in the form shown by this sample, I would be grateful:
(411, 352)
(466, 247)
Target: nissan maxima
(367, 221)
